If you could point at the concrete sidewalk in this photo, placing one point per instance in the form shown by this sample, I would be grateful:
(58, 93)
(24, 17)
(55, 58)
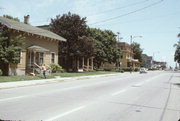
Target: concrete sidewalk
(7, 85)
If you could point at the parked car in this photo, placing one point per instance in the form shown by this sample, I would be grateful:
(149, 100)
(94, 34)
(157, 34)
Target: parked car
(143, 70)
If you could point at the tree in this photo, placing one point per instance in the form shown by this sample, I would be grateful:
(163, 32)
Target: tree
(10, 48)
(137, 52)
(177, 51)
(10, 17)
(106, 49)
(74, 29)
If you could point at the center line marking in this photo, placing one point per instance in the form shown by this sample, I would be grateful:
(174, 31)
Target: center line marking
(116, 93)
(66, 113)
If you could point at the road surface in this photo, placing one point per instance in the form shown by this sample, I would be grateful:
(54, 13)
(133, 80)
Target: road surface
(154, 96)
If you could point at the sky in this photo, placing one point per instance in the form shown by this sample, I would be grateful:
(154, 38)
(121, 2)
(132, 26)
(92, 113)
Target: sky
(157, 21)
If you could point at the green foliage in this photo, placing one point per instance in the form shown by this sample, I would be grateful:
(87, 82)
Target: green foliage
(125, 69)
(109, 68)
(136, 69)
(10, 48)
(120, 69)
(56, 68)
(106, 49)
(177, 52)
(137, 52)
(74, 29)
(10, 17)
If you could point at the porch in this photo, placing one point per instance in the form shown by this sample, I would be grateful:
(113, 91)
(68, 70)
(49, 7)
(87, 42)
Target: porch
(35, 57)
(85, 64)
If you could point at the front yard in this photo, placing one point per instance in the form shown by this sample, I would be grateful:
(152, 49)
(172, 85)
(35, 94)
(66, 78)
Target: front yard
(65, 74)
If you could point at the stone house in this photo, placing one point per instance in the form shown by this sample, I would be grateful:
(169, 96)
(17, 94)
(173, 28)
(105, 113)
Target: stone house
(127, 57)
(41, 46)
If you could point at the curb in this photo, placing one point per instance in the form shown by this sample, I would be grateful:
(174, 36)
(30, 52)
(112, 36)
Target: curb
(9, 85)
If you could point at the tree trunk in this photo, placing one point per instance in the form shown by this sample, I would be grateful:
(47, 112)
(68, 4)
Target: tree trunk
(5, 68)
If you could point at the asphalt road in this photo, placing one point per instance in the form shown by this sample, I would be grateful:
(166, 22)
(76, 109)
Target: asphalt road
(154, 96)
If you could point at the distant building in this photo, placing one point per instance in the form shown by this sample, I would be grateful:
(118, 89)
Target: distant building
(159, 64)
(148, 61)
(127, 57)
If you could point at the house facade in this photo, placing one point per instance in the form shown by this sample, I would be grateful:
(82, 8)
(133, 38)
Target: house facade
(41, 46)
(127, 56)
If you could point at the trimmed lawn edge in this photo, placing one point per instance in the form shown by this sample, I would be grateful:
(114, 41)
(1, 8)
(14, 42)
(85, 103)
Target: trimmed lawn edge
(53, 75)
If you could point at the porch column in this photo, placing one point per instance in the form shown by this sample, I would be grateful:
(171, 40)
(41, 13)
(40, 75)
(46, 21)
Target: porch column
(34, 58)
(88, 64)
(78, 63)
(91, 63)
(29, 61)
(83, 62)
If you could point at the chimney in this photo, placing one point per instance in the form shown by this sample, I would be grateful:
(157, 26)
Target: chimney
(26, 19)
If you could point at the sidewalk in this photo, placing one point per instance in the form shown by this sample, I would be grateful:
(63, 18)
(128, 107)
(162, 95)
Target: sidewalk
(8, 85)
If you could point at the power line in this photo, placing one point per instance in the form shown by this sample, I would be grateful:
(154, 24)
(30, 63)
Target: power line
(132, 4)
(145, 19)
(106, 11)
(135, 11)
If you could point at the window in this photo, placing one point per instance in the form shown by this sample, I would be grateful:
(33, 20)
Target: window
(41, 58)
(121, 56)
(52, 57)
(20, 56)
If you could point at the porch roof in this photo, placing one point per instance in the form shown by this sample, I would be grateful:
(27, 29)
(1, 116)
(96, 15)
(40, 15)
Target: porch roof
(19, 26)
(37, 48)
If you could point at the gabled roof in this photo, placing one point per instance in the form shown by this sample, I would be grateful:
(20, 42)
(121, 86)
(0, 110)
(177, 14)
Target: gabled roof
(11, 24)
(37, 48)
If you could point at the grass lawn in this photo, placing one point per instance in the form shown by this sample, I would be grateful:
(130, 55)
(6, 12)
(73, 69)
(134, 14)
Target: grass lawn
(65, 74)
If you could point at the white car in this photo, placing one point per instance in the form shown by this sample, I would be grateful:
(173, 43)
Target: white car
(142, 70)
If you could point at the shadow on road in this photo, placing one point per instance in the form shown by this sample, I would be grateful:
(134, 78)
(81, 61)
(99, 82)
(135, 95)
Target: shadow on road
(177, 84)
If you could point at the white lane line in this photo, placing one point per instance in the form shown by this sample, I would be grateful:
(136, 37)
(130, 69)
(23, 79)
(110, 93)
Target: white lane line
(66, 113)
(121, 91)
(54, 91)
(147, 80)
(13, 98)
(37, 94)
(138, 84)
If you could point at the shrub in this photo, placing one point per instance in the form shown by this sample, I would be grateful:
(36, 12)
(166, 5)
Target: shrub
(122, 71)
(55, 68)
(1, 72)
(119, 70)
(136, 69)
(126, 68)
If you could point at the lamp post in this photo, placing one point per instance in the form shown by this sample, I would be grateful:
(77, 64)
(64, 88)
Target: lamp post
(118, 36)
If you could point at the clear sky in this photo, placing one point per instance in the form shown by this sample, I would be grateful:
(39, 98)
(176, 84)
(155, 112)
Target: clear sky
(157, 23)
